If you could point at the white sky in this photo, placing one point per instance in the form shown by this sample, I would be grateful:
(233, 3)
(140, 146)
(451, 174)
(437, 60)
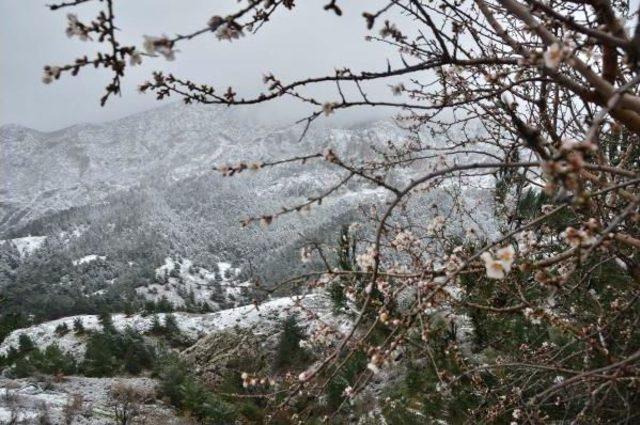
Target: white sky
(308, 41)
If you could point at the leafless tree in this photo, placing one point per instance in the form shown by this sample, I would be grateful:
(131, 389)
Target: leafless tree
(72, 408)
(126, 402)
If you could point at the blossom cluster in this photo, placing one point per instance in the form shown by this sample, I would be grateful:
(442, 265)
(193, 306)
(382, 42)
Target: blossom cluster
(554, 55)
(499, 265)
(367, 260)
(229, 31)
(75, 28)
(585, 236)
(380, 357)
(159, 45)
(404, 240)
(250, 380)
(51, 73)
(436, 224)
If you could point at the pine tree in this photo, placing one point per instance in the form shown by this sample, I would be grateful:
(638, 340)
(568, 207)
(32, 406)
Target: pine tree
(346, 254)
(78, 327)
(288, 352)
(25, 344)
(106, 322)
(99, 360)
(156, 326)
(62, 329)
(171, 324)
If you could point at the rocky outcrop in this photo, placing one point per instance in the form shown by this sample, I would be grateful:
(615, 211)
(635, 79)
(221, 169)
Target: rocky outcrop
(220, 354)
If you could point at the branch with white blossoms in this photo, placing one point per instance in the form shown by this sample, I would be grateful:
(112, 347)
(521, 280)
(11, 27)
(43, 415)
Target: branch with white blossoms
(103, 30)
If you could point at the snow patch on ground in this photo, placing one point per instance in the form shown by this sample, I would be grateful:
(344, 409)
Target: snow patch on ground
(88, 259)
(28, 401)
(28, 244)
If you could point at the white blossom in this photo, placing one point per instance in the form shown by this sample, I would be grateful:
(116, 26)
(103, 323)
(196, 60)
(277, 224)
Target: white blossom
(494, 268)
(526, 241)
(500, 265)
(229, 32)
(51, 73)
(327, 108)
(75, 28)
(367, 260)
(529, 313)
(159, 45)
(135, 59)
(404, 240)
(305, 254)
(453, 263)
(436, 224)
(581, 237)
(553, 56)
(506, 256)
(508, 98)
(303, 343)
(373, 368)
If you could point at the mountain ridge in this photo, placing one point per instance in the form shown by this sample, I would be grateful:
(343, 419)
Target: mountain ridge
(88, 162)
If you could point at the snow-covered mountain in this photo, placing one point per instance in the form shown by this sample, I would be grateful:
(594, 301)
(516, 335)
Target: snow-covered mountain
(84, 164)
(147, 181)
(127, 194)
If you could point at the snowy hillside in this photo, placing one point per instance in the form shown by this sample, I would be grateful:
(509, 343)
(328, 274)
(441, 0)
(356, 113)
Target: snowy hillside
(74, 401)
(183, 282)
(260, 319)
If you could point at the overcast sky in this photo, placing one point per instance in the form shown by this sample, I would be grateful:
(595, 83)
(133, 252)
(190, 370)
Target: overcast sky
(305, 42)
(308, 41)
